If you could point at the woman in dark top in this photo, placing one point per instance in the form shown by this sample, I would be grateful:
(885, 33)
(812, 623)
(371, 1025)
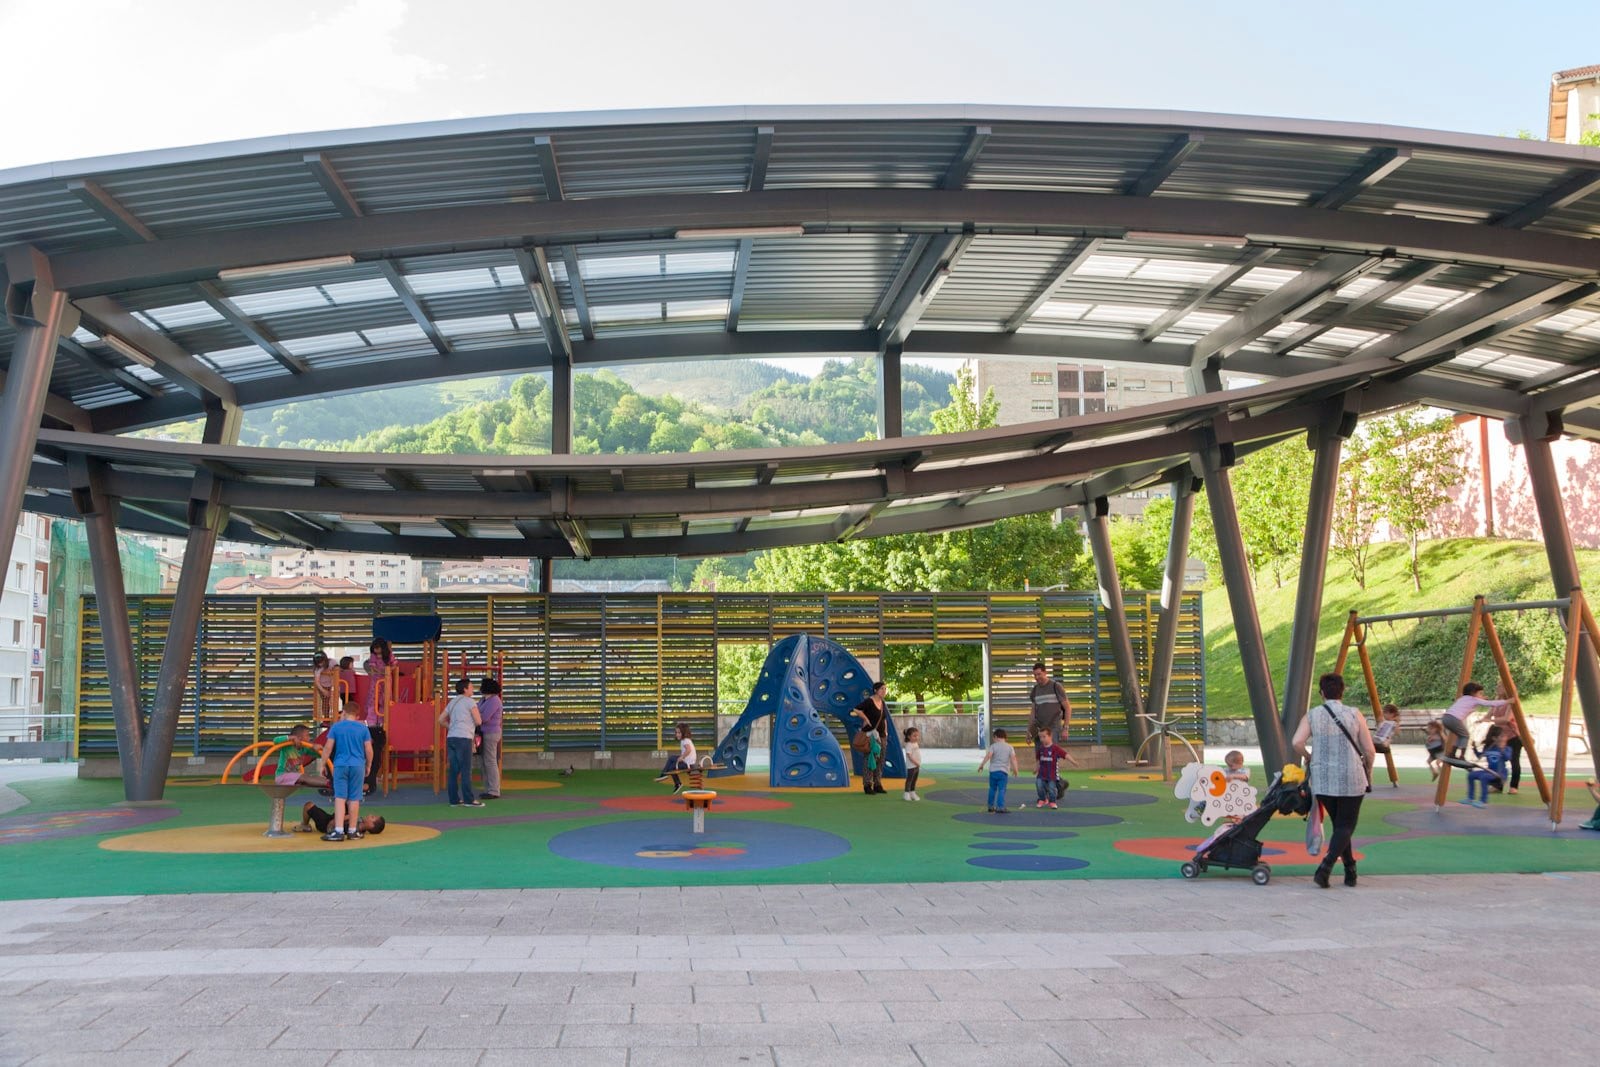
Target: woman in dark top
(874, 715)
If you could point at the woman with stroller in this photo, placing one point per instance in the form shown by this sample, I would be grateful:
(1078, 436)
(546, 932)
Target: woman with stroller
(1340, 770)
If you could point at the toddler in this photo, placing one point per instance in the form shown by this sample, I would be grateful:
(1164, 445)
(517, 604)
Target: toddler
(1001, 759)
(1496, 755)
(1434, 743)
(913, 750)
(1388, 723)
(1047, 775)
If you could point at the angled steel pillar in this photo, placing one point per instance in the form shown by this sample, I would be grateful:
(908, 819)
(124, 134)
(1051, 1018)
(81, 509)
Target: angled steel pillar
(1096, 518)
(560, 403)
(891, 398)
(1327, 444)
(1535, 435)
(207, 517)
(1183, 491)
(99, 512)
(547, 574)
(1214, 464)
(35, 310)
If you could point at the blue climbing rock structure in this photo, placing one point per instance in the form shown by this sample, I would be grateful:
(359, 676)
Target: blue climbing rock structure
(803, 679)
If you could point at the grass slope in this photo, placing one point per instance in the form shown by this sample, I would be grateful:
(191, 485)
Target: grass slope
(1453, 572)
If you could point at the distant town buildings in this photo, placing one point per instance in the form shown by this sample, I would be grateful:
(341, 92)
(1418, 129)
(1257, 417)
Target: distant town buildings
(259, 585)
(489, 575)
(375, 574)
(1574, 104)
(24, 596)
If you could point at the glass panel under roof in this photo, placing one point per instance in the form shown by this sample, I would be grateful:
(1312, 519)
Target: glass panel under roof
(279, 300)
(1177, 270)
(697, 309)
(475, 324)
(192, 314)
(1108, 267)
(84, 337)
(1266, 278)
(1122, 313)
(393, 335)
(327, 342)
(699, 262)
(1425, 297)
(451, 281)
(607, 313)
(1346, 337)
(1060, 309)
(360, 292)
(1201, 321)
(226, 358)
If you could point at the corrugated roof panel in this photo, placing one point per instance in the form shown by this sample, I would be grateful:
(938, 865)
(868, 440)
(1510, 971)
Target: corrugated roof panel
(661, 159)
(912, 155)
(831, 278)
(405, 176)
(222, 195)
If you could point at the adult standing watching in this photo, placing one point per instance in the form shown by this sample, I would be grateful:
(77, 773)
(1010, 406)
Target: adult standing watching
(1340, 770)
(874, 715)
(491, 712)
(1051, 709)
(379, 659)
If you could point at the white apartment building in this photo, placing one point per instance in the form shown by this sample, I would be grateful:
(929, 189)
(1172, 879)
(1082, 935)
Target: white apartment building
(24, 599)
(378, 574)
(1574, 104)
(1031, 390)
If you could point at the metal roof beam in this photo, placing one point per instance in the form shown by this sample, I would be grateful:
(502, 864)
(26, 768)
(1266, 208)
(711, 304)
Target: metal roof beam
(1379, 164)
(327, 176)
(535, 270)
(1444, 328)
(172, 362)
(60, 409)
(1312, 287)
(1166, 164)
(109, 371)
(197, 257)
(1394, 285)
(1060, 273)
(741, 259)
(1563, 194)
(1250, 261)
(545, 149)
(961, 167)
(921, 284)
(256, 334)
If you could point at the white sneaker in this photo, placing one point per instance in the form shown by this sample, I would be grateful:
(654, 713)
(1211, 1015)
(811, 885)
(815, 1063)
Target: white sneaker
(907, 796)
(916, 796)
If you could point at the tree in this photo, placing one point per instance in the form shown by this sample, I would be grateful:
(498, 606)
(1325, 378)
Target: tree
(1138, 557)
(1270, 489)
(1355, 508)
(1415, 462)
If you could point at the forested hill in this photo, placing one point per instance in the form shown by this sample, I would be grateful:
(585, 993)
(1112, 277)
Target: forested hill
(680, 408)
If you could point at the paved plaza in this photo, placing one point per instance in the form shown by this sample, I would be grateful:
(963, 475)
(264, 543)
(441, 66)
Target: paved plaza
(1399, 970)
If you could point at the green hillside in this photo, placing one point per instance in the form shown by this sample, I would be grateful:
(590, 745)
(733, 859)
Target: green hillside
(1422, 659)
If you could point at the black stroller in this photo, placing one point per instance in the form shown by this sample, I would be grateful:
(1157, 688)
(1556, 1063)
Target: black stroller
(1236, 845)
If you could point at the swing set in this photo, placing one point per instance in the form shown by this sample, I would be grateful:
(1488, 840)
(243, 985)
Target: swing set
(1579, 620)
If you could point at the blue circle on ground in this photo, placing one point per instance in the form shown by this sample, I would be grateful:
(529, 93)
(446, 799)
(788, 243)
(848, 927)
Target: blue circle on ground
(1031, 817)
(1029, 835)
(1004, 846)
(1072, 798)
(671, 845)
(1037, 862)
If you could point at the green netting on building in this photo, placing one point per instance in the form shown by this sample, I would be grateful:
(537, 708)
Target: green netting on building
(70, 580)
(615, 671)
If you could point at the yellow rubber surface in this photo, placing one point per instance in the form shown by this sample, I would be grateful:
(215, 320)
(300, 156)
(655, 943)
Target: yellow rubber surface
(250, 837)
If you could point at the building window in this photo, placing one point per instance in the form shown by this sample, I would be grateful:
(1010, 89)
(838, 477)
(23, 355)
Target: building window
(1094, 381)
(38, 690)
(1069, 406)
(1093, 405)
(16, 631)
(1133, 385)
(1067, 381)
(38, 635)
(22, 576)
(16, 690)
(1161, 387)
(1039, 377)
(1044, 407)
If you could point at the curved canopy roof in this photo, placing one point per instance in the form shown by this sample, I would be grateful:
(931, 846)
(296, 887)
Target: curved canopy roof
(1455, 269)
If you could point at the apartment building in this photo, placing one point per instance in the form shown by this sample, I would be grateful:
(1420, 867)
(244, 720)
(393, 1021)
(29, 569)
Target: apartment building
(1575, 105)
(24, 609)
(376, 574)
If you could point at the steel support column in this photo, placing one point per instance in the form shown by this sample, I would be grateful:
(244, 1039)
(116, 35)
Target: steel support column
(1327, 445)
(99, 512)
(1183, 491)
(1242, 599)
(560, 403)
(547, 574)
(1096, 518)
(1535, 436)
(35, 309)
(891, 395)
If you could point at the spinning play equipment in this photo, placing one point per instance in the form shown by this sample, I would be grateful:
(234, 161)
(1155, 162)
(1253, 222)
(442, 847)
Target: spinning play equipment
(804, 678)
(699, 802)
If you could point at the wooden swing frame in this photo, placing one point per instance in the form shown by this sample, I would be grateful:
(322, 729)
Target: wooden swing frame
(1579, 620)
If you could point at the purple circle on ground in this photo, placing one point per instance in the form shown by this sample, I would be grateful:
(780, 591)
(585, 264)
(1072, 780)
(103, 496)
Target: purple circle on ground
(1004, 846)
(670, 845)
(52, 826)
(1030, 817)
(1029, 835)
(1073, 798)
(1037, 862)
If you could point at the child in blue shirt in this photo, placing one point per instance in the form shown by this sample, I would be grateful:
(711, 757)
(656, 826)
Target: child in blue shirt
(349, 745)
(1497, 756)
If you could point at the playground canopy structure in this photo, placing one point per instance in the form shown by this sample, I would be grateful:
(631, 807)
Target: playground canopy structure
(1348, 268)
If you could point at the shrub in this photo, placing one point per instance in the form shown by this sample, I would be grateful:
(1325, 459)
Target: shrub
(1422, 667)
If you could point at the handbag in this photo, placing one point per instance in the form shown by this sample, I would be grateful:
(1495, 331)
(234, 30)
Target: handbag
(1360, 755)
(861, 742)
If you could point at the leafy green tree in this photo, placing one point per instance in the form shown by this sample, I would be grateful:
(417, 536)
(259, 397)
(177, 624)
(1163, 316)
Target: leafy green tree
(1415, 462)
(1357, 508)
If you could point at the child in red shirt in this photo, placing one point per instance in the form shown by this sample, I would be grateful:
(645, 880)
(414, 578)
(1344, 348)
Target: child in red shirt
(1047, 776)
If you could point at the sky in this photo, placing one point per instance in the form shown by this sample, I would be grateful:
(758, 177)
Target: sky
(116, 76)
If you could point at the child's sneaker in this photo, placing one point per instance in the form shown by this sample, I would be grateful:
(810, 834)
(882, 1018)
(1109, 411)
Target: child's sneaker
(354, 835)
(473, 804)
(1480, 803)
(1040, 804)
(1052, 803)
(916, 796)
(333, 835)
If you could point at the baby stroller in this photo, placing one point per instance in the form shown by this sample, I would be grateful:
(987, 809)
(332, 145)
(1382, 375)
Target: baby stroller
(1236, 845)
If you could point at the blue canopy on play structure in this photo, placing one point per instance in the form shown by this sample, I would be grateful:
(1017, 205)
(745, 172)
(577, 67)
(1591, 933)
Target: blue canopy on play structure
(407, 629)
(804, 678)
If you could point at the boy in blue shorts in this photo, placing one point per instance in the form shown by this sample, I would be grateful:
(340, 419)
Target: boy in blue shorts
(350, 746)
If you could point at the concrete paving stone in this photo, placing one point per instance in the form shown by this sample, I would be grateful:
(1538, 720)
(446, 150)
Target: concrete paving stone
(70, 1041)
(629, 995)
(239, 1037)
(58, 1018)
(1074, 1007)
(750, 994)
(1327, 1025)
(648, 1035)
(963, 1009)
(725, 1056)
(58, 1058)
(1215, 1007)
(698, 1012)
(475, 1014)
(208, 1057)
(937, 1054)
(907, 1033)
(873, 1055)
(506, 1035)
(433, 1057)
(340, 1037)
(569, 1057)
(843, 1012)
(769, 1034)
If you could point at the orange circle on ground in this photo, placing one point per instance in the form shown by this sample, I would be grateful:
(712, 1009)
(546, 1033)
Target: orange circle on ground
(760, 783)
(248, 837)
(1179, 849)
(675, 804)
(510, 785)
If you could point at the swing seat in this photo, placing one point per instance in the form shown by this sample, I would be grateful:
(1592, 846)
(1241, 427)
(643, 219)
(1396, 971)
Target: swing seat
(1466, 765)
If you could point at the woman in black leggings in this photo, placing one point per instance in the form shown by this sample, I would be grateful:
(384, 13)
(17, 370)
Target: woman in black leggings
(1340, 769)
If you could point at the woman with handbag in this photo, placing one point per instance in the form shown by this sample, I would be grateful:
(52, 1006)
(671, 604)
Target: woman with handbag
(873, 711)
(1340, 770)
